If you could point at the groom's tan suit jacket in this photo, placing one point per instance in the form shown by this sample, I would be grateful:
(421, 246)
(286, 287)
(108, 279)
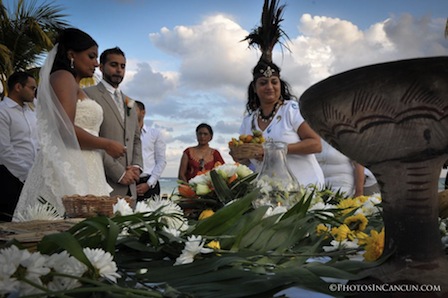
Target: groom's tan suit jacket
(127, 132)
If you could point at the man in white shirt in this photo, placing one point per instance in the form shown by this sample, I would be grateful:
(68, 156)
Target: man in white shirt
(18, 140)
(153, 153)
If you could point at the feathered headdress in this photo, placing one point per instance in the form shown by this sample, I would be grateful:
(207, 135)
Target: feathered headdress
(266, 36)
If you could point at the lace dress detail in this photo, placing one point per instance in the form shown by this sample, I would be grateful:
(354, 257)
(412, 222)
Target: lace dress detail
(89, 116)
(59, 170)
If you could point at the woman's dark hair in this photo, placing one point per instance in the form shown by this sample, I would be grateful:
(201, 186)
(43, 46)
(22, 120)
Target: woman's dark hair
(140, 105)
(253, 102)
(116, 51)
(205, 125)
(70, 39)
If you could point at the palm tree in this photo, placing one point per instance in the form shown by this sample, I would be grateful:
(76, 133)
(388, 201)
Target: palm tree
(26, 32)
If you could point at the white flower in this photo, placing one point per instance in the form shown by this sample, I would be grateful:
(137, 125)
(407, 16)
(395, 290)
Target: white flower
(344, 244)
(129, 103)
(165, 206)
(36, 265)
(200, 179)
(358, 256)
(193, 246)
(142, 207)
(27, 289)
(323, 206)
(371, 206)
(243, 171)
(175, 222)
(9, 286)
(65, 264)
(123, 207)
(39, 211)
(172, 231)
(442, 227)
(226, 170)
(276, 210)
(174, 214)
(10, 259)
(103, 262)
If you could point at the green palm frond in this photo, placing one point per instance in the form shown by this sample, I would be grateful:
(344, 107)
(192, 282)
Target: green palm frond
(27, 31)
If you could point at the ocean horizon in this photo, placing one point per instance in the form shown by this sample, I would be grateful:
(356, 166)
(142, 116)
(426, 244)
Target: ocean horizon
(168, 185)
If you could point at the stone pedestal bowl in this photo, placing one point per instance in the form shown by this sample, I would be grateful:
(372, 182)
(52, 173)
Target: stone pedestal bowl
(393, 118)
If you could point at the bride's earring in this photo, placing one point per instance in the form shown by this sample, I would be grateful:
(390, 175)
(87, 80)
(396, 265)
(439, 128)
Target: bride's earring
(72, 63)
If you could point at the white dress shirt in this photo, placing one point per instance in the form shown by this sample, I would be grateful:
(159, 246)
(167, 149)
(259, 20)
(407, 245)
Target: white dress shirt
(18, 137)
(153, 153)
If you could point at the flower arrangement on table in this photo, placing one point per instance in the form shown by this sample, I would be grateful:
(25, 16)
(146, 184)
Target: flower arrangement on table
(215, 188)
(158, 252)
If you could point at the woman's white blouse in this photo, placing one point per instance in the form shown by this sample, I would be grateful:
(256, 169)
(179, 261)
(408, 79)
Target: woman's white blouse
(284, 128)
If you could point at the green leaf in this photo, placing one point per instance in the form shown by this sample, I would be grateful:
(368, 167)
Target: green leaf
(222, 190)
(244, 230)
(225, 217)
(111, 237)
(67, 242)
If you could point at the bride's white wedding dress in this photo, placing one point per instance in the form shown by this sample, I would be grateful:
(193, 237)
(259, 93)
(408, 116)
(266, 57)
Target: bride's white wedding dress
(56, 173)
(89, 116)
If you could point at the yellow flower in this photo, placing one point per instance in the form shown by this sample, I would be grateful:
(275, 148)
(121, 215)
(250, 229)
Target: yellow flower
(362, 237)
(362, 199)
(348, 205)
(206, 213)
(375, 245)
(321, 229)
(214, 245)
(357, 222)
(342, 232)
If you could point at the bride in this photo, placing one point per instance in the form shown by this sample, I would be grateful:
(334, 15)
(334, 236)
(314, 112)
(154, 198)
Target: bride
(70, 158)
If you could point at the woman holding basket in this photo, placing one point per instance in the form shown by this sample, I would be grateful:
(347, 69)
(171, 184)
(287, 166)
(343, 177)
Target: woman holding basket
(273, 110)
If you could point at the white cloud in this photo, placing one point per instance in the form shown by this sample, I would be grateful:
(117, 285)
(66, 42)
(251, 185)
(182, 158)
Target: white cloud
(212, 54)
(147, 84)
(214, 71)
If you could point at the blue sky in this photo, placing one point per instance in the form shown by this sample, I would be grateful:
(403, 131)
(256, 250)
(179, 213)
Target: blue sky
(185, 60)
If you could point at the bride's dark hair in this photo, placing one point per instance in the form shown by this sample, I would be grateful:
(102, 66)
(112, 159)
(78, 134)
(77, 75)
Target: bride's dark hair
(70, 39)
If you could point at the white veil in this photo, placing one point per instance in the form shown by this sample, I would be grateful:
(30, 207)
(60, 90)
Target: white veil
(59, 165)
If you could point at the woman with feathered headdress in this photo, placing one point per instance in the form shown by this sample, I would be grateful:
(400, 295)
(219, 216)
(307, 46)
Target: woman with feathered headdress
(272, 109)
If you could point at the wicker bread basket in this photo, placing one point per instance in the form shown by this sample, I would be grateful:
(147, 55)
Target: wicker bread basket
(246, 150)
(89, 206)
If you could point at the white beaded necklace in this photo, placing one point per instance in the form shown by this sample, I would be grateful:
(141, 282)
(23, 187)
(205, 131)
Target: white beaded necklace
(269, 117)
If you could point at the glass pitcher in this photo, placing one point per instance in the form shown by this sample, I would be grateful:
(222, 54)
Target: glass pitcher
(276, 182)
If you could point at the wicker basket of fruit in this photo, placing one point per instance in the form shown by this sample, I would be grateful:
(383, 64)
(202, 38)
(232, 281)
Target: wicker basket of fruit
(247, 146)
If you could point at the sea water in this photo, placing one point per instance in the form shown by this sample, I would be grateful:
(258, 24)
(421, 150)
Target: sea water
(168, 185)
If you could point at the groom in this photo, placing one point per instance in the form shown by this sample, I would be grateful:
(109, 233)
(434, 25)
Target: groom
(120, 123)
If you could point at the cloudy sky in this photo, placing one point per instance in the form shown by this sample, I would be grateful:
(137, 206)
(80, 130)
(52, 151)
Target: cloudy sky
(186, 61)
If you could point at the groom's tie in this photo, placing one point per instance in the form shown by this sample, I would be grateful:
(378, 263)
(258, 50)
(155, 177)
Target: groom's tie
(119, 102)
